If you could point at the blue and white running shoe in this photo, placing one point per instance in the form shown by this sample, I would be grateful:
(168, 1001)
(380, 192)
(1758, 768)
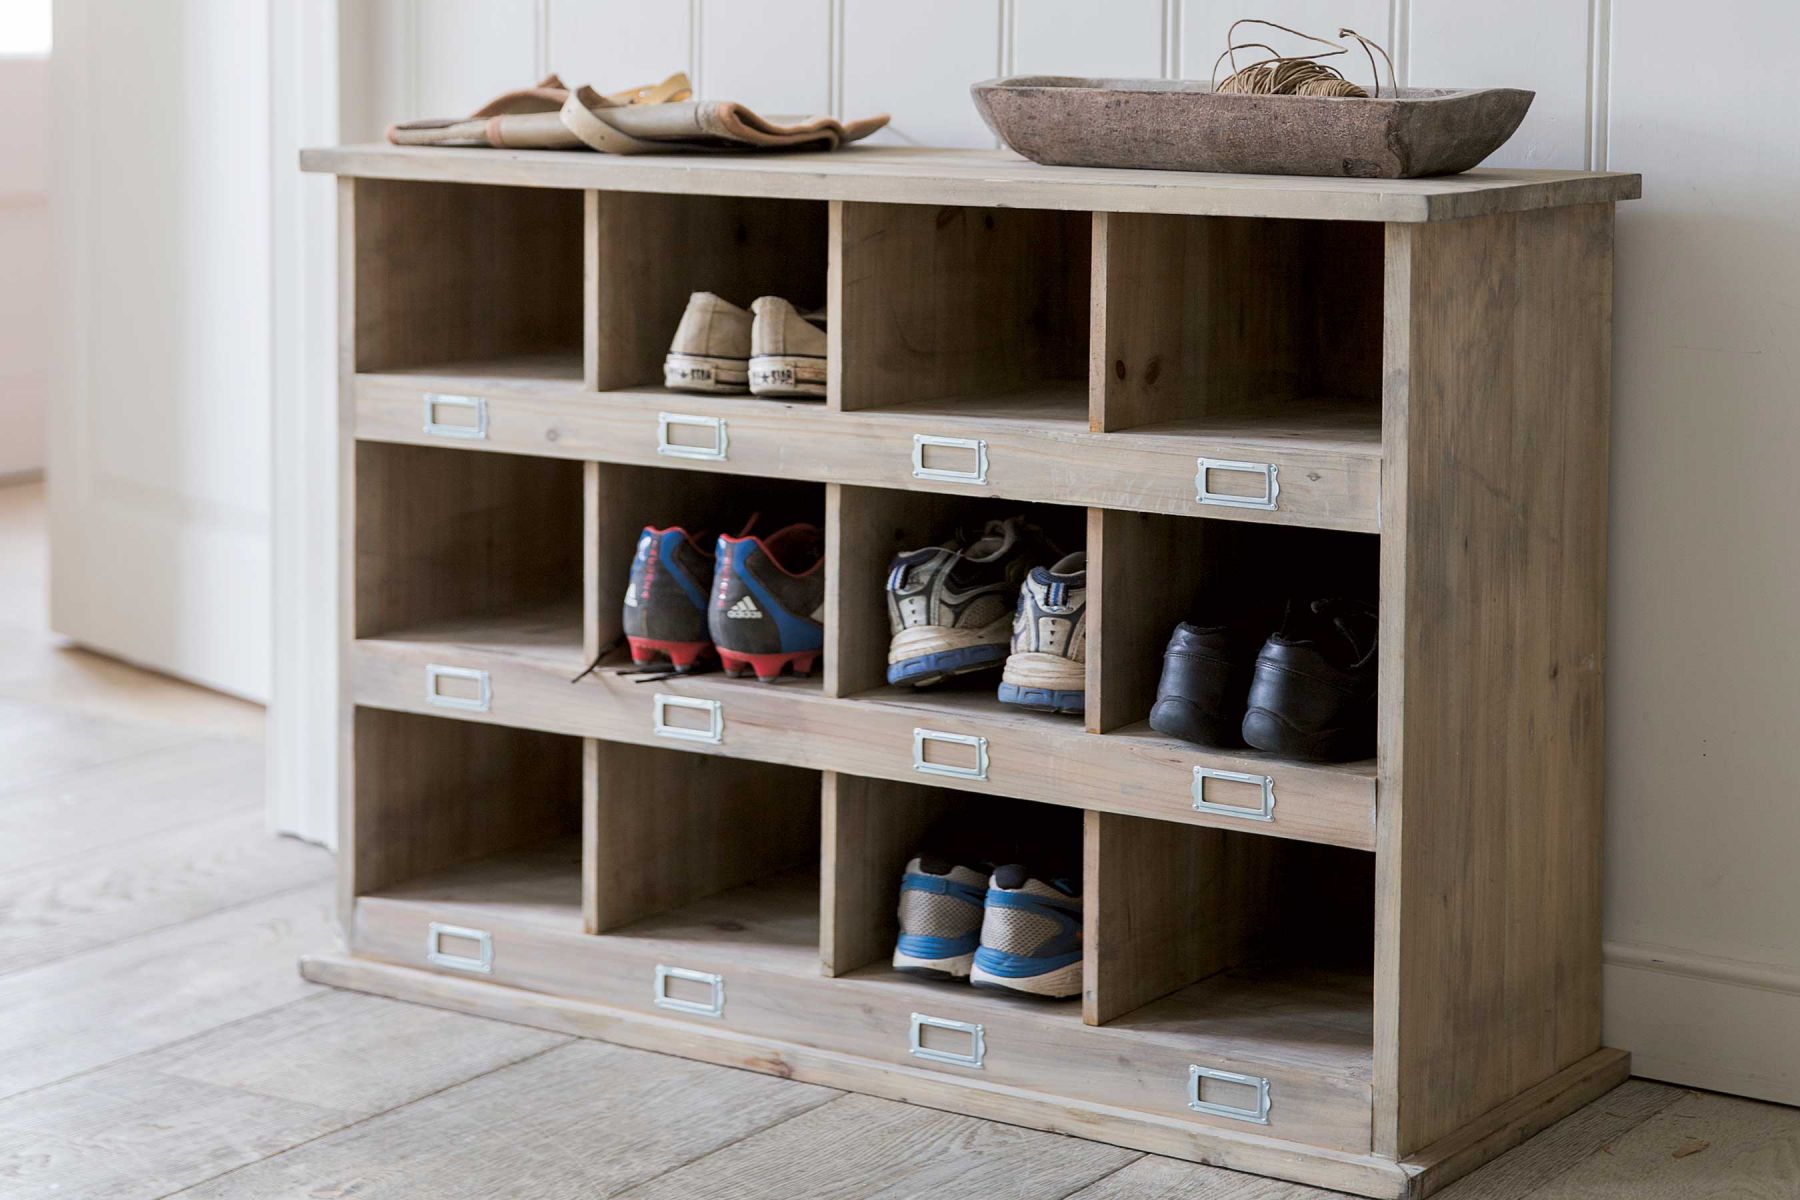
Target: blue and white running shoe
(951, 607)
(940, 918)
(1030, 935)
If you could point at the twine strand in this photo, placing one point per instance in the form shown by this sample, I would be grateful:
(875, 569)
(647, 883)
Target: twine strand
(1296, 74)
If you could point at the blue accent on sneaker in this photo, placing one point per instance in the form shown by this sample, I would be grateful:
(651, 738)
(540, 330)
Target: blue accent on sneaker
(671, 565)
(946, 662)
(796, 632)
(1050, 698)
(918, 945)
(1020, 966)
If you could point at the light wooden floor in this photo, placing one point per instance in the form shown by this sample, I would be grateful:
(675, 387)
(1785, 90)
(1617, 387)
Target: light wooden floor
(156, 1041)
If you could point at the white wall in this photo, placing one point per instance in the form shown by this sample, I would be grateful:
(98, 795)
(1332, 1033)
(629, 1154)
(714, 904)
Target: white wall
(1703, 897)
(24, 261)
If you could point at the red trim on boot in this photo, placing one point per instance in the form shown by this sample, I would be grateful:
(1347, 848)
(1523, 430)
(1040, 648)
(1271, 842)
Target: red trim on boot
(684, 655)
(768, 666)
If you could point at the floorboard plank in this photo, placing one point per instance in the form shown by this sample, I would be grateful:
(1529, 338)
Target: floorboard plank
(860, 1147)
(1531, 1166)
(1154, 1178)
(582, 1121)
(38, 744)
(99, 1006)
(119, 802)
(168, 1119)
(53, 910)
(1701, 1145)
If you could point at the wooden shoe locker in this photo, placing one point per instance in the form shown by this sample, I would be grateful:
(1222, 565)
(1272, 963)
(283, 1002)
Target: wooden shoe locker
(1368, 976)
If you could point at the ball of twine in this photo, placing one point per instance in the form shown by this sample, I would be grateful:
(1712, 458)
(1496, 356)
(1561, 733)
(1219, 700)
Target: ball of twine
(1295, 74)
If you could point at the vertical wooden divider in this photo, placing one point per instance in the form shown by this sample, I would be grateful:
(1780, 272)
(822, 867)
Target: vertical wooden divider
(858, 541)
(871, 827)
(1130, 617)
(1135, 367)
(590, 289)
(1161, 909)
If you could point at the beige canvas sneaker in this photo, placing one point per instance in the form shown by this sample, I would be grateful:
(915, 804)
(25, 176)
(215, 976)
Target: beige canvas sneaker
(787, 350)
(711, 350)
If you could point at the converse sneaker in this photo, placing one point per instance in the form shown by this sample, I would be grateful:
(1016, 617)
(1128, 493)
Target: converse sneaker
(768, 602)
(1030, 935)
(1047, 668)
(950, 607)
(711, 350)
(940, 917)
(787, 350)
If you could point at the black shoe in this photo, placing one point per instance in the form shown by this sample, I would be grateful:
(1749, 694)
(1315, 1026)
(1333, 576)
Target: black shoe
(1312, 694)
(1205, 684)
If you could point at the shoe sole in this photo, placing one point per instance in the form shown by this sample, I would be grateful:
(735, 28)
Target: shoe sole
(1044, 699)
(701, 373)
(684, 656)
(1268, 731)
(1188, 721)
(768, 667)
(1058, 984)
(956, 967)
(924, 670)
(787, 375)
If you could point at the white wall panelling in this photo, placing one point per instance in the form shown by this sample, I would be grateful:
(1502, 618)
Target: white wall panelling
(1703, 697)
(1703, 975)
(774, 55)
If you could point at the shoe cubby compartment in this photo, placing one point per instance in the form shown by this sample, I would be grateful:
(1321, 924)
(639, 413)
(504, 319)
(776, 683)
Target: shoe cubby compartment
(468, 572)
(865, 529)
(465, 839)
(624, 499)
(457, 286)
(948, 311)
(1237, 322)
(1202, 570)
(651, 252)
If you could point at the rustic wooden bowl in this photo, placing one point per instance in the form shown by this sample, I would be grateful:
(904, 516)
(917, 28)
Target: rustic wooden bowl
(1183, 125)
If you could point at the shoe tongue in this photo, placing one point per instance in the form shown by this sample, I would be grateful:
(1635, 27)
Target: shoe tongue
(1070, 564)
(995, 537)
(931, 864)
(1012, 876)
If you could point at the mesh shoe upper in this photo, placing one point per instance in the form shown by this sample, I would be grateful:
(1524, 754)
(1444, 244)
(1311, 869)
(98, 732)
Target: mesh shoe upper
(1029, 925)
(940, 908)
(768, 596)
(964, 586)
(666, 598)
(1052, 612)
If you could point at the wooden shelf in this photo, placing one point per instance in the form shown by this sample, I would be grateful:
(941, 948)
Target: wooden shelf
(976, 177)
(1264, 389)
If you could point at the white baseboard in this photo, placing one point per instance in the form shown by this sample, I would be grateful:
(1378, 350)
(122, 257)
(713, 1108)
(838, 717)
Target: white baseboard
(1705, 1021)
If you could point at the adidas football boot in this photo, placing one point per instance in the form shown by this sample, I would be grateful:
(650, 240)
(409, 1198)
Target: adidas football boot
(1030, 935)
(768, 602)
(1047, 668)
(951, 607)
(665, 603)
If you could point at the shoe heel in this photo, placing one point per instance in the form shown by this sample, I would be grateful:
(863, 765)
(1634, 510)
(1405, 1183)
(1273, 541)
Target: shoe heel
(683, 656)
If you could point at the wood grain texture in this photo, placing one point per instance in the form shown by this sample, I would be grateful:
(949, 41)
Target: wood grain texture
(1129, 624)
(1327, 455)
(978, 177)
(163, 878)
(432, 793)
(932, 301)
(109, 1003)
(652, 251)
(1153, 1178)
(440, 534)
(871, 828)
(620, 1119)
(1493, 620)
(183, 1114)
(446, 271)
(670, 828)
(879, 1148)
(1208, 317)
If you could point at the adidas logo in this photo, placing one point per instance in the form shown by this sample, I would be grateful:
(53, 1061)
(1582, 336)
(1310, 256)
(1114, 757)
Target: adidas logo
(745, 609)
